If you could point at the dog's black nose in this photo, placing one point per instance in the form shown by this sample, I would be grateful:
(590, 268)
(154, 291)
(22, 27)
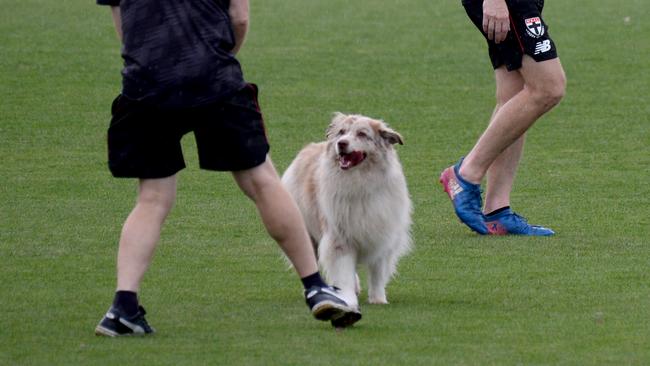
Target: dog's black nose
(343, 145)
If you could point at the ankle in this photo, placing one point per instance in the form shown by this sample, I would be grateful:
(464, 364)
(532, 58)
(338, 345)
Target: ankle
(313, 279)
(126, 301)
(468, 176)
(497, 211)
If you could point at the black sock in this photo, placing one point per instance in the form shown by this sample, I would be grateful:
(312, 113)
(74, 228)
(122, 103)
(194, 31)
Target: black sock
(498, 211)
(126, 301)
(313, 280)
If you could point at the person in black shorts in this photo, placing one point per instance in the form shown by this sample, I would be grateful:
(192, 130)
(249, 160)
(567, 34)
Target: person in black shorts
(529, 82)
(180, 75)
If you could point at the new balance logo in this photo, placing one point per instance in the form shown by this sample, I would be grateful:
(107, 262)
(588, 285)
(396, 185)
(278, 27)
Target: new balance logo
(542, 46)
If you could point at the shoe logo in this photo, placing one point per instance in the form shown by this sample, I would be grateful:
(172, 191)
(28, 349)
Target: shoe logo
(134, 327)
(542, 46)
(328, 291)
(495, 228)
(311, 294)
(454, 188)
(534, 27)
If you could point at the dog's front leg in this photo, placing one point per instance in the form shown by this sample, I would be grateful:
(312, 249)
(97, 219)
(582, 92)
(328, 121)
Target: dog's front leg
(339, 264)
(379, 274)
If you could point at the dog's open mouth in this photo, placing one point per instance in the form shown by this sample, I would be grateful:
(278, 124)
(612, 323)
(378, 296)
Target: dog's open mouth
(349, 160)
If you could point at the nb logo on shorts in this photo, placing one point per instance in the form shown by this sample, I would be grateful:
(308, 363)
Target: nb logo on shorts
(542, 46)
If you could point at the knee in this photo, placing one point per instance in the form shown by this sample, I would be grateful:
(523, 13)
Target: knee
(256, 181)
(256, 186)
(555, 92)
(160, 202)
(548, 96)
(550, 93)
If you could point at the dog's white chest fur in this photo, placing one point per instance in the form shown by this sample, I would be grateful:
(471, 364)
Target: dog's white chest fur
(364, 208)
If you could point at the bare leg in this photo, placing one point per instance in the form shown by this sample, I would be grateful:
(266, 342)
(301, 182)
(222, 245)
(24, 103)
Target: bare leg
(544, 84)
(141, 230)
(279, 214)
(501, 174)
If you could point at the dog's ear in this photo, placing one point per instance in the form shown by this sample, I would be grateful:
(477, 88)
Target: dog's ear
(392, 137)
(338, 117)
(336, 120)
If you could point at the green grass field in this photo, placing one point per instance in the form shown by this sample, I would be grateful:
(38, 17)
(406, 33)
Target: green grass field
(219, 292)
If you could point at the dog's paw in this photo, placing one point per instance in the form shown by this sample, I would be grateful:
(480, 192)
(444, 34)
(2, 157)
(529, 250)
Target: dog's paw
(378, 300)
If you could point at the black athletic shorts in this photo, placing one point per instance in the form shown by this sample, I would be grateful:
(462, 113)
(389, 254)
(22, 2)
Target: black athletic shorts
(528, 33)
(144, 141)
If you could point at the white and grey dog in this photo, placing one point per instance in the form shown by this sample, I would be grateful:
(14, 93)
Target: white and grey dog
(352, 193)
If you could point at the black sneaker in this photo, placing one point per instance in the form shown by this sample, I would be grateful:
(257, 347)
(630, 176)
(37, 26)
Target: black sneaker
(115, 324)
(326, 304)
(346, 319)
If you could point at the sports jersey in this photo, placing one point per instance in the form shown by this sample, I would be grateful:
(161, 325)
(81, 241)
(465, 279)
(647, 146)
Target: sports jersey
(177, 52)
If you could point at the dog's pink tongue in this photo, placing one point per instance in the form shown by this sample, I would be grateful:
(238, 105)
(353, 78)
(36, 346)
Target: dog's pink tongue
(349, 160)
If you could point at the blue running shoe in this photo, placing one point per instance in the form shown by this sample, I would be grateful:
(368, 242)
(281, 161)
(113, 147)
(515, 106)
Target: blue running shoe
(507, 222)
(466, 198)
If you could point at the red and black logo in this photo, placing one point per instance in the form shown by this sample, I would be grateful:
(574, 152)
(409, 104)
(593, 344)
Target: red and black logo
(534, 27)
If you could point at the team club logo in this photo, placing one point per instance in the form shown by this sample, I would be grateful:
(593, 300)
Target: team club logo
(534, 27)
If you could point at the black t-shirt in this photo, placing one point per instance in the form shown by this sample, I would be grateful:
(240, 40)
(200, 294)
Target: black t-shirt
(539, 3)
(177, 52)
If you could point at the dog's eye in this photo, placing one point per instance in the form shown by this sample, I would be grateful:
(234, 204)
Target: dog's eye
(341, 132)
(362, 134)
